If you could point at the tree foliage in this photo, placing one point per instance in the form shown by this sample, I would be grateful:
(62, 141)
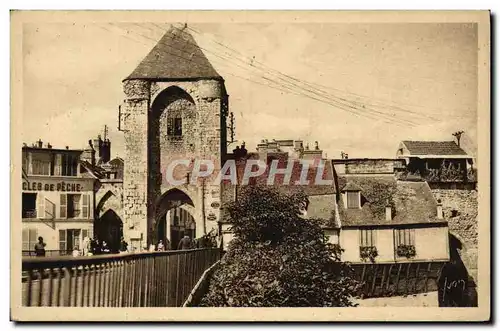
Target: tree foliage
(278, 258)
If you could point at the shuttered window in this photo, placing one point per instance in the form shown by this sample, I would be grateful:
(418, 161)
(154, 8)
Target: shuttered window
(40, 205)
(62, 240)
(352, 199)
(63, 206)
(49, 209)
(85, 206)
(366, 238)
(29, 239)
(405, 237)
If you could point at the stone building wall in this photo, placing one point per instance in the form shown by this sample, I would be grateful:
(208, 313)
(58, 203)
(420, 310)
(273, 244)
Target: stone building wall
(134, 119)
(460, 208)
(369, 166)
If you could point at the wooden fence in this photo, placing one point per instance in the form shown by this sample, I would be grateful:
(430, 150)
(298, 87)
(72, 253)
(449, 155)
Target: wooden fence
(153, 279)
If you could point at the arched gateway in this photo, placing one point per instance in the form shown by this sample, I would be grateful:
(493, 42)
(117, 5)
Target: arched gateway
(175, 217)
(175, 107)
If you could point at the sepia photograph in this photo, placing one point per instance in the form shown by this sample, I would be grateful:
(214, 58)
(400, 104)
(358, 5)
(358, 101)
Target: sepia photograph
(269, 160)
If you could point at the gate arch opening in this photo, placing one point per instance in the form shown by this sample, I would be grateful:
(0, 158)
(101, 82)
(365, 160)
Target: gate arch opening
(175, 218)
(109, 228)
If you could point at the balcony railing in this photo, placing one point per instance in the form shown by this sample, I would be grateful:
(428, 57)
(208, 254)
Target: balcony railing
(30, 213)
(48, 253)
(153, 279)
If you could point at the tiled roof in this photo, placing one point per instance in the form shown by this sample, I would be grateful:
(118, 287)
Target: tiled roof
(176, 56)
(321, 197)
(94, 170)
(322, 207)
(433, 148)
(351, 186)
(413, 202)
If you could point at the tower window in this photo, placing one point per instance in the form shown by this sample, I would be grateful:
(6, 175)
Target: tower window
(174, 127)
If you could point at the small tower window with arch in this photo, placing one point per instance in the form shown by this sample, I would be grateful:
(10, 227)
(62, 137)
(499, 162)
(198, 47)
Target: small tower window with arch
(174, 126)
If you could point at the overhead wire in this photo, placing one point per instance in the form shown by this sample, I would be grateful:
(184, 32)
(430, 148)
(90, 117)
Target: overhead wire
(290, 86)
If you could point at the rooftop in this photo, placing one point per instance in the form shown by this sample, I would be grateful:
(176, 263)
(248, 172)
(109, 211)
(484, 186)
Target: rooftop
(176, 56)
(411, 202)
(433, 148)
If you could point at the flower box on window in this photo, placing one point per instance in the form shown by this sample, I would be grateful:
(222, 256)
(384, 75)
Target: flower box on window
(407, 251)
(368, 253)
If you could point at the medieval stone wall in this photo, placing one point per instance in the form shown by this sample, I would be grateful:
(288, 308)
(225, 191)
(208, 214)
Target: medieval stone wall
(149, 150)
(134, 119)
(460, 208)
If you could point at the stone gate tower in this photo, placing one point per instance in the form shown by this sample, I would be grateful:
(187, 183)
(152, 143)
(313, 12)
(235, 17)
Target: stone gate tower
(175, 107)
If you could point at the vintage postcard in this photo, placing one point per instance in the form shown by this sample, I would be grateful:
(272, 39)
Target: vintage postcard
(261, 165)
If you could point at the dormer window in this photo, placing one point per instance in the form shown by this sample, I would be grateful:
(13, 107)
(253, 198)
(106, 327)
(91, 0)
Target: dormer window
(353, 199)
(352, 195)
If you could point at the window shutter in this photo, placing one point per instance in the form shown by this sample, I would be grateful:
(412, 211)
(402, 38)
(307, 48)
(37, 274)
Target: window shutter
(412, 237)
(352, 199)
(26, 240)
(32, 238)
(62, 240)
(85, 233)
(170, 126)
(40, 206)
(58, 164)
(63, 208)
(85, 206)
(49, 209)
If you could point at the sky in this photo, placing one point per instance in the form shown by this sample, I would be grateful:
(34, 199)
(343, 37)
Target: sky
(72, 81)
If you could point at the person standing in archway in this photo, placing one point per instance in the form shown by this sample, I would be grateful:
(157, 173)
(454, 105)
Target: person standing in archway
(185, 243)
(123, 246)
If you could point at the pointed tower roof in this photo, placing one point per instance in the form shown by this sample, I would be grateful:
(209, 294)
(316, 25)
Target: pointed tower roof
(176, 56)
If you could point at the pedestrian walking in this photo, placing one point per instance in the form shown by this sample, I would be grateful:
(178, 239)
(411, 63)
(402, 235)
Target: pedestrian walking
(96, 247)
(40, 247)
(161, 247)
(105, 248)
(185, 243)
(123, 246)
(76, 251)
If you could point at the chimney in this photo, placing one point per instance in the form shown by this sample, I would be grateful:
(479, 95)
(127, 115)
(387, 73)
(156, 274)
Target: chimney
(298, 144)
(316, 146)
(439, 209)
(67, 147)
(49, 145)
(458, 135)
(40, 143)
(388, 211)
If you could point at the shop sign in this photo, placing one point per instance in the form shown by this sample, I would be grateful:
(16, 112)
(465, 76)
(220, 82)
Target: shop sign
(44, 186)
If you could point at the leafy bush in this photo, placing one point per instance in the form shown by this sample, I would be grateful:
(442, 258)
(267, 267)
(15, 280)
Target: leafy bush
(278, 258)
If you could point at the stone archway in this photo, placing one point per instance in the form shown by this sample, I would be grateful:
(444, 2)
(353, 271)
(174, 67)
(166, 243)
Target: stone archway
(109, 228)
(174, 217)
